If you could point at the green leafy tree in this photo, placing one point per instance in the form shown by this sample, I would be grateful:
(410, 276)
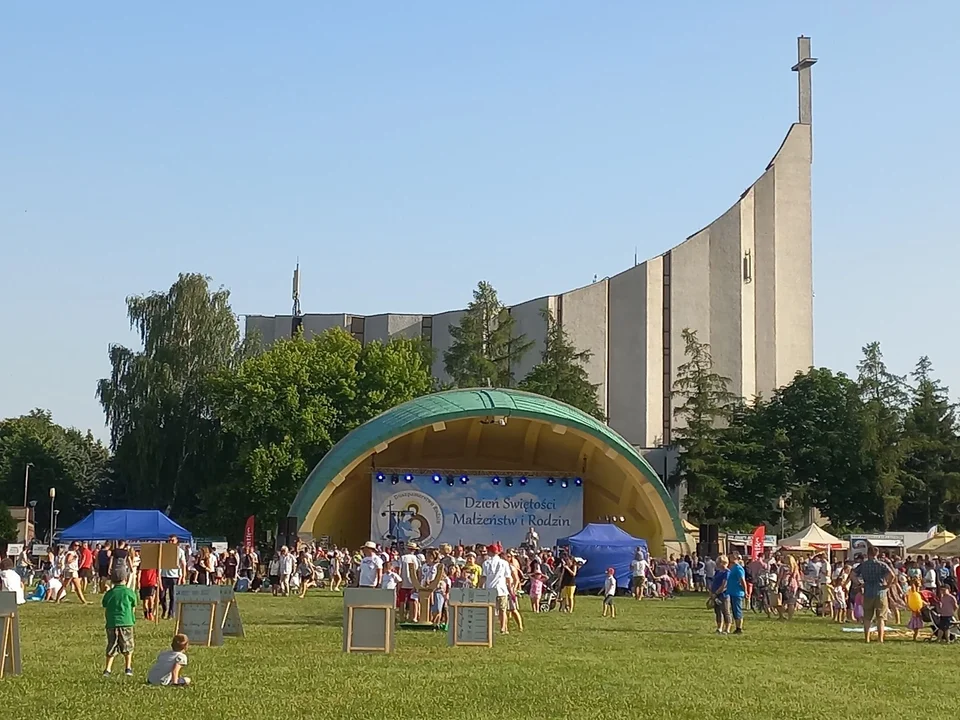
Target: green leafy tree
(71, 461)
(154, 400)
(813, 434)
(485, 346)
(706, 460)
(884, 400)
(930, 455)
(561, 373)
(282, 410)
(8, 527)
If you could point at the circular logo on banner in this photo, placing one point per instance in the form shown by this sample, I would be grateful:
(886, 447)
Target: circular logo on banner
(409, 516)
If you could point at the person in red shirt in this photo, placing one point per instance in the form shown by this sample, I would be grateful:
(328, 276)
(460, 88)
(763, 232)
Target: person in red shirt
(148, 592)
(86, 565)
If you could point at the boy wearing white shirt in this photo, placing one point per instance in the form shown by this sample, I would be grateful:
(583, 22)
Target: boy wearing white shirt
(609, 593)
(497, 575)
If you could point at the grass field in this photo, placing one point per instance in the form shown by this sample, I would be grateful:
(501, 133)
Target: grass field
(656, 660)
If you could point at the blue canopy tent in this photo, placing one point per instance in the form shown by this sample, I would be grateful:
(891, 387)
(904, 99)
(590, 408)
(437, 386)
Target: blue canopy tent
(603, 546)
(136, 525)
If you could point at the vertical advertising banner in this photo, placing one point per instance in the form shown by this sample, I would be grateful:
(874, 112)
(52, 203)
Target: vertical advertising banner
(478, 511)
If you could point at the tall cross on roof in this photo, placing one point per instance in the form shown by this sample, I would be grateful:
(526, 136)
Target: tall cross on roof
(802, 68)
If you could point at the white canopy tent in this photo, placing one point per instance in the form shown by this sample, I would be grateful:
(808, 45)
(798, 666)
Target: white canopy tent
(812, 538)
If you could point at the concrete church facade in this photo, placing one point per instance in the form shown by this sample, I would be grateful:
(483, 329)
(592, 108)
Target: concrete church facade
(744, 283)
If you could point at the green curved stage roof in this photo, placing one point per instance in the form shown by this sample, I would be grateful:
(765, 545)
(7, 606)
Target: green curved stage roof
(457, 405)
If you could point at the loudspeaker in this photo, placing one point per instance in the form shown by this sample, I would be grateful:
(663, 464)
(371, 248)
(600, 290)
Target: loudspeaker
(709, 545)
(287, 532)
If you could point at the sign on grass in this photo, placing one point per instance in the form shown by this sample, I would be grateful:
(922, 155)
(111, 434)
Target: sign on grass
(198, 614)
(368, 616)
(14, 549)
(470, 617)
(10, 661)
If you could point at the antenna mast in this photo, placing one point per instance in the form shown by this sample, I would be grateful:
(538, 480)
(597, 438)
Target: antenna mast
(296, 322)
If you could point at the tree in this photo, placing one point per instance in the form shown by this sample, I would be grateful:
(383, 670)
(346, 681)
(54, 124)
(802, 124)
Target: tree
(160, 426)
(485, 347)
(279, 412)
(813, 429)
(71, 461)
(884, 400)
(705, 463)
(930, 455)
(8, 527)
(561, 373)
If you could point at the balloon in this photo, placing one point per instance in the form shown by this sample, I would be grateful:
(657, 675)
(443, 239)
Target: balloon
(914, 601)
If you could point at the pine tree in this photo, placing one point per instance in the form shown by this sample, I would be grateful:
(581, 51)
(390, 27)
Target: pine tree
(704, 463)
(931, 454)
(485, 346)
(561, 373)
(884, 401)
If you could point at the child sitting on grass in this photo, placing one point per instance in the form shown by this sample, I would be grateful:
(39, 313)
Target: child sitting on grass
(166, 670)
(118, 605)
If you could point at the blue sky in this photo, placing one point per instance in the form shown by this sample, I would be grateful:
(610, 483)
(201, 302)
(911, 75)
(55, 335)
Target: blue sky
(405, 151)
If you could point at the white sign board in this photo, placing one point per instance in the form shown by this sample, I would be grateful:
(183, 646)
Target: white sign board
(228, 613)
(199, 614)
(219, 547)
(471, 617)
(39, 550)
(10, 662)
(14, 549)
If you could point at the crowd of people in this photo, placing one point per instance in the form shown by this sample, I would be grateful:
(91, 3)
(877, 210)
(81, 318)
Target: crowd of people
(877, 590)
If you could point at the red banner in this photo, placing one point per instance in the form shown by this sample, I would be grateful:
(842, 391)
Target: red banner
(756, 542)
(248, 533)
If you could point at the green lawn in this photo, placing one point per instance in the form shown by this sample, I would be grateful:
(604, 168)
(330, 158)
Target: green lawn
(656, 660)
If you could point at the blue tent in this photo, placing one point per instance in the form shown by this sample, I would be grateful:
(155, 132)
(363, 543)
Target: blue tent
(603, 546)
(148, 525)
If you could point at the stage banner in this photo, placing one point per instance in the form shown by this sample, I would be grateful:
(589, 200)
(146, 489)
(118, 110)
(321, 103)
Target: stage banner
(479, 511)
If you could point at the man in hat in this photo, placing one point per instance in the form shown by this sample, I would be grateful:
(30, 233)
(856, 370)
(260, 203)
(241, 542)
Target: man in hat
(497, 575)
(371, 566)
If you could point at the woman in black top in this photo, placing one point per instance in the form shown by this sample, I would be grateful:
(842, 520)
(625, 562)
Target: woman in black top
(120, 558)
(103, 566)
(568, 583)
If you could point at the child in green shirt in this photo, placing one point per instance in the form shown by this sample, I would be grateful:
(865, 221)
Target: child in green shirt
(118, 606)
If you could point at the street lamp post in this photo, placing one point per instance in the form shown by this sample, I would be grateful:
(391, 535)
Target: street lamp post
(53, 497)
(32, 511)
(26, 482)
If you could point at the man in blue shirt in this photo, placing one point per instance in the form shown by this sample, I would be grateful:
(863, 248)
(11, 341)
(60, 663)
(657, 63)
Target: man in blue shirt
(736, 591)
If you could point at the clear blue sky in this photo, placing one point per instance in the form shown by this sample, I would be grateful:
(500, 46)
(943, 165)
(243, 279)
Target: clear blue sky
(405, 151)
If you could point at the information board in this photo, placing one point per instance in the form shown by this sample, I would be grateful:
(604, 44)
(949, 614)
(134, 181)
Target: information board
(39, 550)
(159, 556)
(471, 617)
(14, 549)
(368, 617)
(10, 661)
(199, 614)
(229, 614)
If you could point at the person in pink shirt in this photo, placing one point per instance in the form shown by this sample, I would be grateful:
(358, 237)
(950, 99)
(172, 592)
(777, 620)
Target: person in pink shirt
(536, 591)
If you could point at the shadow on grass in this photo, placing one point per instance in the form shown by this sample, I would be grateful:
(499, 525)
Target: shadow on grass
(635, 631)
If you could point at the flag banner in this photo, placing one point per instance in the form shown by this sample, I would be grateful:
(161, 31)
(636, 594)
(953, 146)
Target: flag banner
(248, 532)
(756, 542)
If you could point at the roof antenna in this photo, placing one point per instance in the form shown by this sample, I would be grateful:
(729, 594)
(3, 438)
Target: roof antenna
(634, 255)
(296, 322)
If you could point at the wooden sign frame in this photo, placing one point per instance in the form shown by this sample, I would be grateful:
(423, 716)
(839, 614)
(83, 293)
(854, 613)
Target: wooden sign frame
(425, 592)
(454, 625)
(159, 556)
(229, 610)
(10, 658)
(388, 628)
(211, 633)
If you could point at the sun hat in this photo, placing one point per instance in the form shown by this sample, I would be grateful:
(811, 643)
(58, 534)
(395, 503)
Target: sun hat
(370, 545)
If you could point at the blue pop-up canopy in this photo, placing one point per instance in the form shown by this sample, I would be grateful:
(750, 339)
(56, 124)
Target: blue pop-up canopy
(603, 546)
(149, 525)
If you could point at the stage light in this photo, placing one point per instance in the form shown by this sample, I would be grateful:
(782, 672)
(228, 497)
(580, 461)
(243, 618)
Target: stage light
(394, 478)
(495, 479)
(408, 478)
(437, 479)
(578, 482)
(450, 480)
(550, 481)
(523, 479)
(464, 479)
(563, 483)
(509, 481)
(379, 477)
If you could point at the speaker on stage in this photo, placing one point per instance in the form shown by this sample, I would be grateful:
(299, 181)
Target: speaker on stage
(287, 532)
(709, 545)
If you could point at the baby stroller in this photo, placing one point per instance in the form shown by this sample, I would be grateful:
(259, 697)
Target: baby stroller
(549, 600)
(946, 631)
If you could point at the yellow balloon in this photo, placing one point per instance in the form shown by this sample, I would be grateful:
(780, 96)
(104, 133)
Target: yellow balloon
(914, 601)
